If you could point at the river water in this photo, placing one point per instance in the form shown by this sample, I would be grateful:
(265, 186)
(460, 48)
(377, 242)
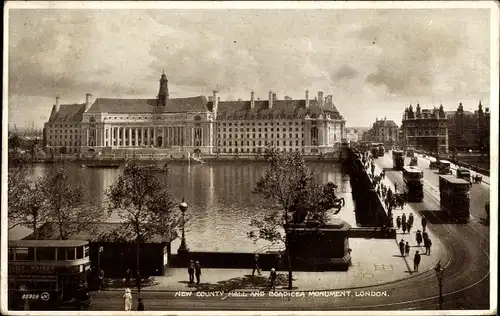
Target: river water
(219, 197)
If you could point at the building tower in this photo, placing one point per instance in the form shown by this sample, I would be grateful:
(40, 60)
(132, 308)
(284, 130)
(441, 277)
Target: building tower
(163, 93)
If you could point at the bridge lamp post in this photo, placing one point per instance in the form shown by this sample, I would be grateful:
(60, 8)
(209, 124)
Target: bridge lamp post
(439, 274)
(183, 207)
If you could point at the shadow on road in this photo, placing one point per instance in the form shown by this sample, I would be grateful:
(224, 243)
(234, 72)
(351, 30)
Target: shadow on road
(245, 282)
(437, 217)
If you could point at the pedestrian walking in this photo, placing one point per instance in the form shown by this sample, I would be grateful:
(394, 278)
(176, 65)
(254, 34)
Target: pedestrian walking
(419, 238)
(128, 300)
(416, 261)
(398, 221)
(395, 188)
(428, 247)
(256, 265)
(424, 223)
(402, 247)
(403, 224)
(425, 236)
(197, 269)
(408, 226)
(140, 304)
(410, 219)
(191, 272)
(403, 218)
(407, 249)
(272, 279)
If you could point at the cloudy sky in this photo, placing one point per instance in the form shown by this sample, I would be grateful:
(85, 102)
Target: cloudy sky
(373, 62)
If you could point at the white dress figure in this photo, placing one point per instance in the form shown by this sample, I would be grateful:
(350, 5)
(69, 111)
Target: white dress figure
(128, 300)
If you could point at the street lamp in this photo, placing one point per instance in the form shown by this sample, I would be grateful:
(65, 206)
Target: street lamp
(439, 275)
(183, 248)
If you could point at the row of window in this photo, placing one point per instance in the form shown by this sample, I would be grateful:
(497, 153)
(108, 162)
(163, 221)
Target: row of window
(60, 131)
(260, 123)
(65, 136)
(258, 129)
(229, 136)
(265, 143)
(256, 150)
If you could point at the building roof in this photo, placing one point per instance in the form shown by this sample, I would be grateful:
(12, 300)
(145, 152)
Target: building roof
(100, 232)
(287, 108)
(177, 105)
(46, 243)
(68, 113)
(385, 123)
(451, 113)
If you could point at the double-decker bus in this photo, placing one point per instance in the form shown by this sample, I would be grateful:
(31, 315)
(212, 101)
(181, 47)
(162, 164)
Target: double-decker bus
(46, 273)
(398, 159)
(454, 196)
(413, 178)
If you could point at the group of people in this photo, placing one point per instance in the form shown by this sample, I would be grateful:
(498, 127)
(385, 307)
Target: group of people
(194, 269)
(404, 248)
(272, 277)
(404, 223)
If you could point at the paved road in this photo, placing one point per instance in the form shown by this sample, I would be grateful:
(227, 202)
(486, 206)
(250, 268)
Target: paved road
(465, 286)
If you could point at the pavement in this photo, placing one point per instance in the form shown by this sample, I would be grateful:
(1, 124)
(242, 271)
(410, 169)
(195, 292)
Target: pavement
(374, 262)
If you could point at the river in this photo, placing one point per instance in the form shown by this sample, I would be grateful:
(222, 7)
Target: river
(219, 197)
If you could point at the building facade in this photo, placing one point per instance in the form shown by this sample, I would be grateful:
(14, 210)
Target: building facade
(195, 125)
(469, 130)
(384, 131)
(425, 129)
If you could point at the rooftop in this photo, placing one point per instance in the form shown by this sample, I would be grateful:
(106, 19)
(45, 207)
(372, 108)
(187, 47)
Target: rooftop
(101, 232)
(68, 113)
(176, 105)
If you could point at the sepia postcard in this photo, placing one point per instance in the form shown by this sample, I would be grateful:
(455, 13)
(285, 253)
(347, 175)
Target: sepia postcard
(250, 158)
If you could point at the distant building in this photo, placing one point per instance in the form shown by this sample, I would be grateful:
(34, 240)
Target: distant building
(425, 129)
(195, 125)
(352, 135)
(24, 142)
(384, 131)
(468, 130)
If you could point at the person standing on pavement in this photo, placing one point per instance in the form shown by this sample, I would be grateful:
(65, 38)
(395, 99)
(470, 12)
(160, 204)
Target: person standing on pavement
(410, 219)
(128, 300)
(140, 304)
(403, 218)
(191, 272)
(407, 249)
(424, 223)
(398, 221)
(425, 236)
(197, 269)
(256, 265)
(101, 280)
(419, 238)
(416, 261)
(403, 224)
(272, 280)
(402, 247)
(428, 247)
(408, 226)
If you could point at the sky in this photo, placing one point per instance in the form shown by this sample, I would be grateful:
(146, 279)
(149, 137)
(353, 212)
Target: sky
(374, 62)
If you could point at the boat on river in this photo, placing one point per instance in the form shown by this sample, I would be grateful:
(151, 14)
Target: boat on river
(101, 165)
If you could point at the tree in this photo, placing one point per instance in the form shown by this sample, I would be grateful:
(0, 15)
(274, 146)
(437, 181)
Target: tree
(298, 198)
(67, 207)
(26, 200)
(143, 204)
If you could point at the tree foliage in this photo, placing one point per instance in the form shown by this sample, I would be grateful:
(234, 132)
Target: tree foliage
(296, 195)
(67, 206)
(143, 203)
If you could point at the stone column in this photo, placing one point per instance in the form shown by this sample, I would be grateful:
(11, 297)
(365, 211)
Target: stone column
(136, 130)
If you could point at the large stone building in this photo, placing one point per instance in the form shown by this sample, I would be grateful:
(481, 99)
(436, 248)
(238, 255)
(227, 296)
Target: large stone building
(195, 125)
(384, 131)
(425, 129)
(469, 130)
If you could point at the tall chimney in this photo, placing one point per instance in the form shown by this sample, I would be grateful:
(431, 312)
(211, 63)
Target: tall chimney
(58, 100)
(307, 98)
(320, 98)
(88, 101)
(216, 99)
(252, 99)
(270, 99)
